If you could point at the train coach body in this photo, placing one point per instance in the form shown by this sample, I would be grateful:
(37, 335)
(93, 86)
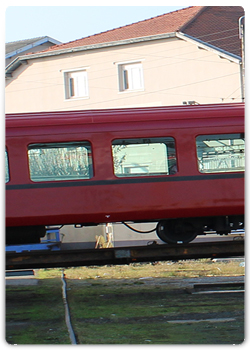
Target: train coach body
(146, 164)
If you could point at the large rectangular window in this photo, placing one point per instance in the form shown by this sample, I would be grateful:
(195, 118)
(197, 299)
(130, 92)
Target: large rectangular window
(60, 161)
(130, 76)
(221, 153)
(76, 84)
(144, 157)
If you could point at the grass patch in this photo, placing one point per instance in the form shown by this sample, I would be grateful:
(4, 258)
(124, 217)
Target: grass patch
(182, 268)
(121, 311)
(160, 333)
(140, 315)
(127, 304)
(35, 314)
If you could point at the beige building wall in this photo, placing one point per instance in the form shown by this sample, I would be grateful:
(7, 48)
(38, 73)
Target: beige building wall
(174, 71)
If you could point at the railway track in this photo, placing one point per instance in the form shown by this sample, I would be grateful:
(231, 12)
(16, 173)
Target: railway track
(123, 255)
(71, 332)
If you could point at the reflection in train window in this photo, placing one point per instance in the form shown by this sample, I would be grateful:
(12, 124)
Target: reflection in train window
(144, 157)
(60, 161)
(7, 174)
(221, 153)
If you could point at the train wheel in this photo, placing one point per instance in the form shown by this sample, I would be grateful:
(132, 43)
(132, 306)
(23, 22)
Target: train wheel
(176, 231)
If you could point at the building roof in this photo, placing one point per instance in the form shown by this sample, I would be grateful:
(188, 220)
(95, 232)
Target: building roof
(219, 26)
(216, 25)
(15, 47)
(166, 23)
(214, 28)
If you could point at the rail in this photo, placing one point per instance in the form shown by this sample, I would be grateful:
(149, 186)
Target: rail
(72, 335)
(122, 255)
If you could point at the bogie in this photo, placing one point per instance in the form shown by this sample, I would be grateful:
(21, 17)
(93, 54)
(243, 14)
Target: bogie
(176, 231)
(185, 230)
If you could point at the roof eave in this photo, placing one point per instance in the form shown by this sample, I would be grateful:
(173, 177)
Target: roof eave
(19, 60)
(89, 47)
(222, 53)
(13, 66)
(103, 45)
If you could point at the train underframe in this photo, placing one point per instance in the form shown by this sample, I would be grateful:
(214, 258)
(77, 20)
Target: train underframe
(185, 230)
(172, 231)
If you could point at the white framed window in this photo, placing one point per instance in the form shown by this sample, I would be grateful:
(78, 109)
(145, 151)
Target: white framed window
(221, 153)
(130, 76)
(76, 84)
(144, 157)
(60, 161)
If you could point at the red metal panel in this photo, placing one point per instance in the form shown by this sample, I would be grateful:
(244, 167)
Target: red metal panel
(111, 203)
(107, 198)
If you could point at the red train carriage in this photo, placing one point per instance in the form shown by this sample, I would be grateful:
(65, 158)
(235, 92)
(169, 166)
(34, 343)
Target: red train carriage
(182, 167)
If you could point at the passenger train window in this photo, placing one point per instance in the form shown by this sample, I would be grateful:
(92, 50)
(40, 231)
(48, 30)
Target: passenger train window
(60, 161)
(7, 174)
(144, 157)
(221, 153)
